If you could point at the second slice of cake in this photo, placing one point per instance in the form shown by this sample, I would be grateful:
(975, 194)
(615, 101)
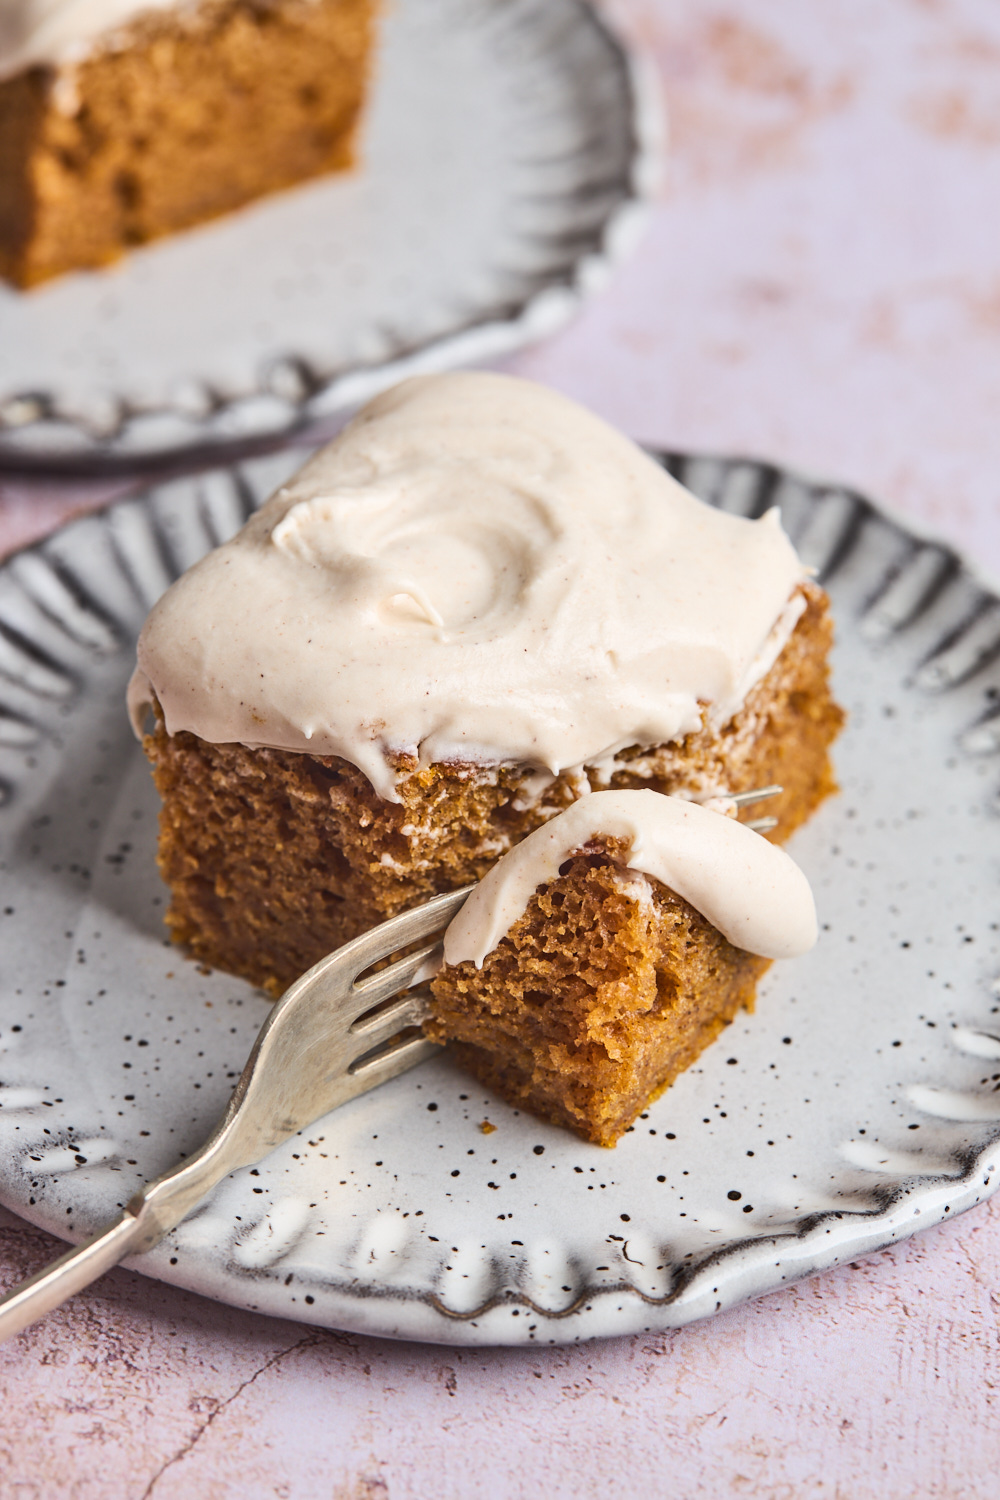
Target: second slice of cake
(125, 120)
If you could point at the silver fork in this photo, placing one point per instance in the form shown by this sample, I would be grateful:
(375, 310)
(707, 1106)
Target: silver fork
(330, 1037)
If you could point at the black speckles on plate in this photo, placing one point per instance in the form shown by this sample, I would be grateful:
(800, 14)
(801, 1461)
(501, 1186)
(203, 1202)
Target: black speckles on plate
(859, 1103)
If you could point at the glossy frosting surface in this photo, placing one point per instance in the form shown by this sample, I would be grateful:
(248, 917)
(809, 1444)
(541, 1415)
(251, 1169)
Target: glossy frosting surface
(476, 569)
(54, 32)
(751, 890)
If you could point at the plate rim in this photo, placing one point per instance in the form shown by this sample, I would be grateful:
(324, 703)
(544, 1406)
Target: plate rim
(736, 1272)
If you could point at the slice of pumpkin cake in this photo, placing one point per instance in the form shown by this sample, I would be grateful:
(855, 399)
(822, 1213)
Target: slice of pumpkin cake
(476, 606)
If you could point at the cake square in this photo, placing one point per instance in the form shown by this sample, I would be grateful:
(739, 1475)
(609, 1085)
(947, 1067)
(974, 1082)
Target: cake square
(165, 116)
(476, 612)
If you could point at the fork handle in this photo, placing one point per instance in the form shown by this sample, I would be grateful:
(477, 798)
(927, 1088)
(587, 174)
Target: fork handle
(59, 1280)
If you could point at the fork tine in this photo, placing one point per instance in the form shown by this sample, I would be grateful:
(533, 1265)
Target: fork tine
(410, 926)
(409, 1010)
(743, 799)
(389, 1062)
(335, 976)
(388, 982)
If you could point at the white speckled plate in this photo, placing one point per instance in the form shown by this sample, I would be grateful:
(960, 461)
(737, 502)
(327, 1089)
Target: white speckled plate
(506, 156)
(859, 1104)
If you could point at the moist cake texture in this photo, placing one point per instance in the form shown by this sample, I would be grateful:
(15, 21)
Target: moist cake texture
(476, 607)
(599, 956)
(603, 992)
(170, 115)
(276, 857)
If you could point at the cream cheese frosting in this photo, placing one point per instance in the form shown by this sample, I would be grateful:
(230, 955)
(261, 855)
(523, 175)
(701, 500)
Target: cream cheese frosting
(57, 33)
(749, 889)
(477, 570)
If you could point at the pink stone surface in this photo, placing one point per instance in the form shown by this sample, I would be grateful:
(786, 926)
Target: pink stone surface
(821, 286)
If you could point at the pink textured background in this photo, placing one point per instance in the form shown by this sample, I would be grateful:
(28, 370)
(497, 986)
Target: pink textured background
(821, 285)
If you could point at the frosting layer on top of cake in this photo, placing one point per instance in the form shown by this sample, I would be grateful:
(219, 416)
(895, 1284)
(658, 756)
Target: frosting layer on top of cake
(55, 32)
(749, 889)
(475, 570)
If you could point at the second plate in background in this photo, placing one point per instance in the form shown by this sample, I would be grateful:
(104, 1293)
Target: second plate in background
(505, 157)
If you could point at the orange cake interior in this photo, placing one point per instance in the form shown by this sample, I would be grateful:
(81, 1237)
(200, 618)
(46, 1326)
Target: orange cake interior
(274, 858)
(184, 114)
(596, 999)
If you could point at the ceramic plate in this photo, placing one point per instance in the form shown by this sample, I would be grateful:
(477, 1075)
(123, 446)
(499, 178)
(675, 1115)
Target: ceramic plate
(507, 153)
(859, 1104)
